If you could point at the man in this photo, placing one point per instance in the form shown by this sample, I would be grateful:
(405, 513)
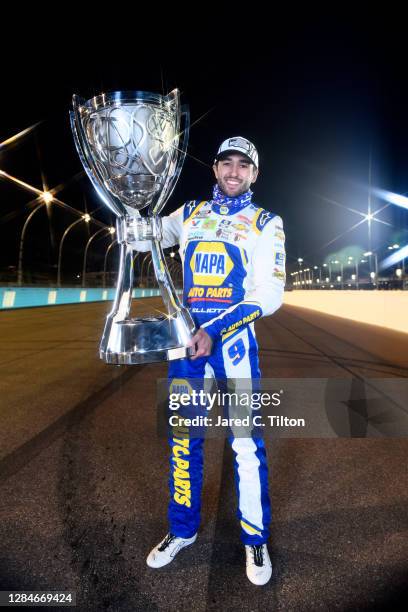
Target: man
(234, 272)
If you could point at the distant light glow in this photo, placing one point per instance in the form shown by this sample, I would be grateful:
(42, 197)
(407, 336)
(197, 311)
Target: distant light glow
(47, 197)
(18, 136)
(392, 198)
(395, 258)
(13, 179)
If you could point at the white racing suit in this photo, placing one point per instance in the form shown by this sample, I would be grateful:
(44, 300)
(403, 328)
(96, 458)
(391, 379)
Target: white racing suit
(234, 272)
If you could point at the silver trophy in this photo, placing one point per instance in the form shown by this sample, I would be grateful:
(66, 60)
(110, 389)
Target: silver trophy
(132, 146)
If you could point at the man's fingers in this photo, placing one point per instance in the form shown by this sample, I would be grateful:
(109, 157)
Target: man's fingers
(203, 344)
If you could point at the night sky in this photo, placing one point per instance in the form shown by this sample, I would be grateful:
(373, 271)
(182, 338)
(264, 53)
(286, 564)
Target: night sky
(318, 101)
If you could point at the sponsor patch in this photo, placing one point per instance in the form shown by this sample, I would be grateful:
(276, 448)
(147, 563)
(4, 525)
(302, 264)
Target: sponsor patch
(196, 235)
(279, 274)
(241, 227)
(244, 219)
(280, 259)
(223, 234)
(263, 218)
(210, 264)
(210, 224)
(203, 214)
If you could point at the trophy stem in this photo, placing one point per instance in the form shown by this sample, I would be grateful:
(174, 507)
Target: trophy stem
(123, 295)
(148, 339)
(175, 309)
(164, 280)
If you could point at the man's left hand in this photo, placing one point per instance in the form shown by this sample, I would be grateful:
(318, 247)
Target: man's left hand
(203, 343)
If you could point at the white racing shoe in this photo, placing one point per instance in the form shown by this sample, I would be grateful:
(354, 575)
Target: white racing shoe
(258, 564)
(167, 549)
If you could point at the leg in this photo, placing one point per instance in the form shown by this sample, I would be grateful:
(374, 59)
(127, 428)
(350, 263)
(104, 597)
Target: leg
(237, 358)
(186, 459)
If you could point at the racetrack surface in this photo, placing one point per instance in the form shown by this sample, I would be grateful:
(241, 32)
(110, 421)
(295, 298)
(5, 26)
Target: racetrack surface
(83, 476)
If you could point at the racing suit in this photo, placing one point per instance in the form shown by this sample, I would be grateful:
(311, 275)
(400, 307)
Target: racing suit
(234, 272)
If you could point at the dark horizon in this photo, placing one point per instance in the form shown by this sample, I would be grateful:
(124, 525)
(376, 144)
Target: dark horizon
(318, 108)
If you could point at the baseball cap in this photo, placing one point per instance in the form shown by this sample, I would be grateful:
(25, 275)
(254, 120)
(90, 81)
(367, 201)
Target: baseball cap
(240, 145)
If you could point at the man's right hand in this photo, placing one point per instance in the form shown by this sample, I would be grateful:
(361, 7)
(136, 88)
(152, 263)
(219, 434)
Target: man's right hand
(203, 344)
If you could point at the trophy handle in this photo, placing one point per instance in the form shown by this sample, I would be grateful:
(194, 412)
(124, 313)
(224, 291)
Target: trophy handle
(113, 203)
(169, 186)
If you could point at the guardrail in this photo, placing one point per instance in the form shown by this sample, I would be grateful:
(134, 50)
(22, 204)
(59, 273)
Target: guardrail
(25, 297)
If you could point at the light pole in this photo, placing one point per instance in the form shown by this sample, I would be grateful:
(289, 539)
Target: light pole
(142, 267)
(307, 278)
(85, 218)
(111, 230)
(105, 260)
(325, 266)
(368, 254)
(320, 272)
(340, 263)
(300, 261)
(46, 199)
(330, 270)
(401, 275)
(350, 261)
(148, 269)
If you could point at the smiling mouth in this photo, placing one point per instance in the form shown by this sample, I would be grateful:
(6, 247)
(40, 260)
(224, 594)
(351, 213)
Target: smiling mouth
(232, 183)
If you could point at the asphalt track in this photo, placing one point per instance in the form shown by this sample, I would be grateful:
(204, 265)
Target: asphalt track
(83, 477)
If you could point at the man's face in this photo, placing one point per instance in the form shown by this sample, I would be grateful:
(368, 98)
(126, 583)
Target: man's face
(235, 174)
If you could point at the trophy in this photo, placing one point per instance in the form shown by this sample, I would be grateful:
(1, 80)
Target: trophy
(132, 146)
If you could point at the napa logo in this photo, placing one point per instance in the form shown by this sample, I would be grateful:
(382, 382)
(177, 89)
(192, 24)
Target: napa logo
(179, 386)
(210, 264)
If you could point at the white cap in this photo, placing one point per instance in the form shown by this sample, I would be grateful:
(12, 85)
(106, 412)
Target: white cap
(240, 145)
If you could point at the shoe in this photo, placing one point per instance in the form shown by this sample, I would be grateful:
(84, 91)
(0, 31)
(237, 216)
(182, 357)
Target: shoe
(258, 564)
(167, 549)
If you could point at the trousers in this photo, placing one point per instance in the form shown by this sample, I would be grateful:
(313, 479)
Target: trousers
(233, 358)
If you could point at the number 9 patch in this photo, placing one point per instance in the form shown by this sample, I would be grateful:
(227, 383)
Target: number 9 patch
(236, 351)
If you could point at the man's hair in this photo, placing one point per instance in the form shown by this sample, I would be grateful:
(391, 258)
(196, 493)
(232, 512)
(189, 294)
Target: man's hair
(226, 154)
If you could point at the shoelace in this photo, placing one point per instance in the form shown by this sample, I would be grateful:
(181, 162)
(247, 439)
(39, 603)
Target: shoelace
(257, 552)
(167, 540)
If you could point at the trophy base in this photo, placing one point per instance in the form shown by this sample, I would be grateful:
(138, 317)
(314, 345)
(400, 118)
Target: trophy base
(145, 340)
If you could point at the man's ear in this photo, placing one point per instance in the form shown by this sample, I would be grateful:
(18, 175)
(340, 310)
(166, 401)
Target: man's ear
(215, 170)
(255, 176)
